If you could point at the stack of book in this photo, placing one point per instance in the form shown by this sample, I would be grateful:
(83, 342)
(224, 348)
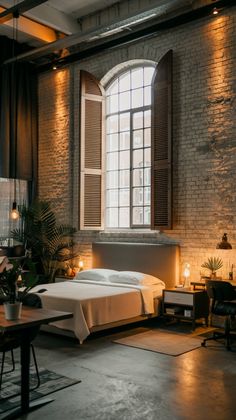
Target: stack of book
(173, 310)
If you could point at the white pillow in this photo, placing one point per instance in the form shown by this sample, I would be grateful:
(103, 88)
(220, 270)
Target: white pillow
(95, 274)
(134, 277)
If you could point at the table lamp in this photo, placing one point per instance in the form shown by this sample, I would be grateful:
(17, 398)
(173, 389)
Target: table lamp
(186, 274)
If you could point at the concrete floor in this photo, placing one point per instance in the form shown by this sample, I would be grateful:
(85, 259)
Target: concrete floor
(124, 383)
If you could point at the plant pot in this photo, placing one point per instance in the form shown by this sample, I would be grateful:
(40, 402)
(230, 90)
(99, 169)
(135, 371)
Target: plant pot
(12, 310)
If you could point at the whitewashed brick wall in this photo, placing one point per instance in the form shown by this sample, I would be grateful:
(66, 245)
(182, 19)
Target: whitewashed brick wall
(204, 138)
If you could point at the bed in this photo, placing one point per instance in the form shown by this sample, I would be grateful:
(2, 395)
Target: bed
(115, 292)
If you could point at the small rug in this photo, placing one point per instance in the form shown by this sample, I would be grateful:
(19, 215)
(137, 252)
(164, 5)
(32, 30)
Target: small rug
(49, 382)
(172, 344)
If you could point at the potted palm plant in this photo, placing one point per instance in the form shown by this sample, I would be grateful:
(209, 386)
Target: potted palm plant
(213, 264)
(12, 277)
(48, 242)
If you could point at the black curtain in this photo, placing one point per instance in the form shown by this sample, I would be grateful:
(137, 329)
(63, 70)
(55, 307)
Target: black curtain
(18, 119)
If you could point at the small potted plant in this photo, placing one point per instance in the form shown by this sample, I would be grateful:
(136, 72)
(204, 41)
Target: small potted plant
(12, 277)
(213, 264)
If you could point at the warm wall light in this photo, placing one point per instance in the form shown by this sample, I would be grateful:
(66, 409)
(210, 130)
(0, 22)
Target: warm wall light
(14, 214)
(81, 265)
(224, 244)
(186, 273)
(215, 11)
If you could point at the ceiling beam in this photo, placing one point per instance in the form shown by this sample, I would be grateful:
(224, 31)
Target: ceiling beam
(29, 27)
(19, 9)
(88, 48)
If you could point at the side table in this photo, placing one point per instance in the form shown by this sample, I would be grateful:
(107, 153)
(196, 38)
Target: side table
(185, 304)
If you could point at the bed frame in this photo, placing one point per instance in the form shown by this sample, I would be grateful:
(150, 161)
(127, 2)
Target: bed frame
(159, 260)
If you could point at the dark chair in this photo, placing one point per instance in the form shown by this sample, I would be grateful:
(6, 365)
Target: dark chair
(11, 341)
(222, 302)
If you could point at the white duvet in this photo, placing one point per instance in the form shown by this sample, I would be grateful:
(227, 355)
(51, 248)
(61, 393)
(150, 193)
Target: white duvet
(97, 303)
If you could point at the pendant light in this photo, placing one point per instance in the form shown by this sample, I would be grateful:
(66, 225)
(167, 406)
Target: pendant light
(224, 244)
(14, 213)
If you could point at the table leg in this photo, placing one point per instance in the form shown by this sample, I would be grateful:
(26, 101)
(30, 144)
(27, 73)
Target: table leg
(26, 406)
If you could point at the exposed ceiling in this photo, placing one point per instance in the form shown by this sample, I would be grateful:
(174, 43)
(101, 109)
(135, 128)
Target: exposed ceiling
(54, 29)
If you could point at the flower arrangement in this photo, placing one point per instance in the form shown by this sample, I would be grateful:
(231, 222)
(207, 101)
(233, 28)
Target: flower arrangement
(13, 275)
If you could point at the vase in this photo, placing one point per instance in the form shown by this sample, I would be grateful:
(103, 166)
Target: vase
(12, 310)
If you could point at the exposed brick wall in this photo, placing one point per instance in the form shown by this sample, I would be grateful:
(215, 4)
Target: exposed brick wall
(204, 137)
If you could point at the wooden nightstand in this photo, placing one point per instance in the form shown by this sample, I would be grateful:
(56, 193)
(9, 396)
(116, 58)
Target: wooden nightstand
(185, 304)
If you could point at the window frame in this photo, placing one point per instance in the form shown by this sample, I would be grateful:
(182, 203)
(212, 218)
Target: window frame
(131, 112)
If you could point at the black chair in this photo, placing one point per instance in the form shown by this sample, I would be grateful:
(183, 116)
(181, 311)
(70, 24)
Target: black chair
(11, 341)
(222, 302)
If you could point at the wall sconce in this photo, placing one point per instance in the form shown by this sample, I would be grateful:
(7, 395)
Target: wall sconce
(14, 213)
(224, 244)
(215, 11)
(186, 274)
(81, 265)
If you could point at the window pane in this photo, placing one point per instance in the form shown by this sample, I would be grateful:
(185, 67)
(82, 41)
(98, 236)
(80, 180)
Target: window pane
(112, 179)
(147, 118)
(112, 142)
(147, 176)
(137, 78)
(148, 75)
(112, 124)
(125, 159)
(112, 198)
(137, 120)
(125, 122)
(147, 137)
(124, 179)
(138, 139)
(137, 98)
(147, 195)
(113, 88)
(137, 177)
(147, 96)
(112, 217)
(113, 106)
(125, 140)
(124, 197)
(138, 158)
(137, 196)
(124, 101)
(124, 82)
(147, 157)
(124, 217)
(112, 161)
(147, 216)
(138, 215)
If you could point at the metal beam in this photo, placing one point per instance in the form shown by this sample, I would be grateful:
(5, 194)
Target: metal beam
(124, 38)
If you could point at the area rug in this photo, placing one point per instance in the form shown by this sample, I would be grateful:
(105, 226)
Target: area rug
(49, 382)
(172, 344)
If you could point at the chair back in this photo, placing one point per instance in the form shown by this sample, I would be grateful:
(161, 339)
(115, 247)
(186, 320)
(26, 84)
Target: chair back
(220, 291)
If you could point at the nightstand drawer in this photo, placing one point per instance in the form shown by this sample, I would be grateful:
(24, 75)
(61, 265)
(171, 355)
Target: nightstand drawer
(182, 298)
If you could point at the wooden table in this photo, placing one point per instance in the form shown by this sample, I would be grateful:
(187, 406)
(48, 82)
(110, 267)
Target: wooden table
(30, 318)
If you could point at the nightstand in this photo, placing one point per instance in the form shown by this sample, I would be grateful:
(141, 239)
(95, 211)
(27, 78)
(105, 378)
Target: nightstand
(185, 304)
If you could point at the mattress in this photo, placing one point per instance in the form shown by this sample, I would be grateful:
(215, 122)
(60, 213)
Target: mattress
(97, 303)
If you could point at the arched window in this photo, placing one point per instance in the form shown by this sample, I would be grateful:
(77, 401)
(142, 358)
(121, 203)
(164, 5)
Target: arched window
(133, 166)
(128, 149)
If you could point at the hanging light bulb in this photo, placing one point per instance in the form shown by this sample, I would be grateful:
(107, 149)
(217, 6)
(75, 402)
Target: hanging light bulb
(14, 214)
(215, 11)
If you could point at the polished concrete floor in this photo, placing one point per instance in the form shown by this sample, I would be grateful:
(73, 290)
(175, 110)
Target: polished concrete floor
(124, 383)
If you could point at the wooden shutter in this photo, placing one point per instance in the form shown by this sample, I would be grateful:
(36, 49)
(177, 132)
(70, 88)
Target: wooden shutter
(161, 179)
(92, 160)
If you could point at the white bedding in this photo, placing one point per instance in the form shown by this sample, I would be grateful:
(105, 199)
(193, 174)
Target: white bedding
(97, 303)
